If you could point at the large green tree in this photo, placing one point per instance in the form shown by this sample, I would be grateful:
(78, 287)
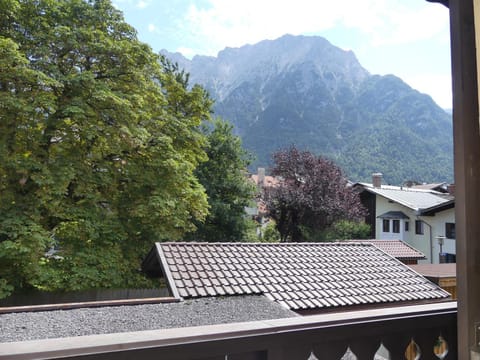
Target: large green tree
(99, 140)
(229, 191)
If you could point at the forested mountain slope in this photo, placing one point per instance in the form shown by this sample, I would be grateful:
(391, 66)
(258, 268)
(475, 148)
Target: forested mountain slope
(305, 91)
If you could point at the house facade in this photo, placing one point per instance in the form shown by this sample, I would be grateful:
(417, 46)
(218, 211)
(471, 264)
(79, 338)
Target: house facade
(423, 218)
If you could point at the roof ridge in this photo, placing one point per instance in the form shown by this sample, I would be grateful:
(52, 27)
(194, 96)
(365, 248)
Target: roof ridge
(206, 243)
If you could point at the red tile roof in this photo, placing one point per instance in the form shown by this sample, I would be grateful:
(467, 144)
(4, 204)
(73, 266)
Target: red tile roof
(299, 276)
(436, 270)
(268, 181)
(396, 248)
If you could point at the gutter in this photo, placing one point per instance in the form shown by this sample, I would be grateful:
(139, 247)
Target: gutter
(430, 235)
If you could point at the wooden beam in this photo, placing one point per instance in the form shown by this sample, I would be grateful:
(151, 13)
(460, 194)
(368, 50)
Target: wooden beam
(166, 271)
(444, 2)
(87, 304)
(464, 31)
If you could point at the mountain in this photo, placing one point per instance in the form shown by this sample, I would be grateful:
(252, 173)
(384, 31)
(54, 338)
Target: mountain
(303, 90)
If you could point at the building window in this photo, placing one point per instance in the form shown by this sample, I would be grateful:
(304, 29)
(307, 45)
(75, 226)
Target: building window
(407, 224)
(396, 226)
(419, 227)
(450, 230)
(386, 225)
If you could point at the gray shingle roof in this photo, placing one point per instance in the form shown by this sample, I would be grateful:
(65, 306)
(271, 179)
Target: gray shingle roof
(415, 199)
(299, 276)
(396, 248)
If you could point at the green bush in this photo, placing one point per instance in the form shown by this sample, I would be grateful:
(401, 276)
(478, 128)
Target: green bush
(346, 229)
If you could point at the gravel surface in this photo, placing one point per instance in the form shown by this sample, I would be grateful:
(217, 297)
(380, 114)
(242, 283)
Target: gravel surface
(89, 321)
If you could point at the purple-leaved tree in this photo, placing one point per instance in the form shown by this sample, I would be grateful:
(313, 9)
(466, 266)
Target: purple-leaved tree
(312, 194)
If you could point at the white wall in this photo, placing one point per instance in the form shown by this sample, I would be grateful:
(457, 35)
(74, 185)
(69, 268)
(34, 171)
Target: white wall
(383, 206)
(391, 235)
(438, 229)
(426, 243)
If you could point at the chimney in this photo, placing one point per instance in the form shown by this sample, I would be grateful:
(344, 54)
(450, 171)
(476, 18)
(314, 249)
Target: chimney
(377, 180)
(261, 176)
(451, 189)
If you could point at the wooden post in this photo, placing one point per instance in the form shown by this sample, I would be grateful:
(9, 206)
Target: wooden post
(465, 28)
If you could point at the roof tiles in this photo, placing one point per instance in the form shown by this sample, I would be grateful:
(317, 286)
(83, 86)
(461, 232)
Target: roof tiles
(396, 248)
(300, 276)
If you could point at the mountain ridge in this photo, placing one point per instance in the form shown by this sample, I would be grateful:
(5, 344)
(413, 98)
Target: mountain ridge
(305, 91)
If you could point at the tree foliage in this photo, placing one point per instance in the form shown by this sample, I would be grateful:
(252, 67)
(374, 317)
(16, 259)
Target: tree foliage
(270, 233)
(99, 140)
(228, 189)
(347, 230)
(312, 195)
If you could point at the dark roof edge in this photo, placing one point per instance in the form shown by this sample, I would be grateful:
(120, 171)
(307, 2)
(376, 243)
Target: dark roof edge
(444, 2)
(166, 271)
(374, 192)
(393, 215)
(437, 208)
(411, 247)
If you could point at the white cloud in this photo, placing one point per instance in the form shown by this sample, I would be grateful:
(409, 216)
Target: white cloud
(142, 4)
(228, 23)
(235, 23)
(152, 28)
(402, 23)
(438, 86)
(187, 52)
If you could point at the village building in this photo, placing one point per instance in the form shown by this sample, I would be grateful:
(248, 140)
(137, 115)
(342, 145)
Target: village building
(261, 181)
(421, 216)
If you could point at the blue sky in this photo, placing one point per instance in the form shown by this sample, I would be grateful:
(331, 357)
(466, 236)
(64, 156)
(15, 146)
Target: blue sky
(407, 38)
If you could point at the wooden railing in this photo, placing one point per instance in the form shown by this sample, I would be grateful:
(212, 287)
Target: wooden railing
(410, 332)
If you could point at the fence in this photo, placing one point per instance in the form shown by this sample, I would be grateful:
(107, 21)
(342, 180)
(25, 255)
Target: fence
(41, 298)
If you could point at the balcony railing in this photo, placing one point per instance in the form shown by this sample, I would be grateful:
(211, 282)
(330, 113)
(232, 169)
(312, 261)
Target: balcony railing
(426, 331)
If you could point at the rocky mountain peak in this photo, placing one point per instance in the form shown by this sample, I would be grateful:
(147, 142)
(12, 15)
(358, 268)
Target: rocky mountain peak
(303, 90)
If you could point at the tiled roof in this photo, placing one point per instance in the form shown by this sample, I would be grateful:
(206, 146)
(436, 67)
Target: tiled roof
(436, 270)
(299, 276)
(396, 248)
(415, 199)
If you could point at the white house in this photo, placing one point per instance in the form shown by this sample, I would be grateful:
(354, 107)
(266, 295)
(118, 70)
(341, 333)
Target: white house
(420, 216)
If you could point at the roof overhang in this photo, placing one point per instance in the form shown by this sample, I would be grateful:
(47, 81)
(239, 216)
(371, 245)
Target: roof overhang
(155, 265)
(444, 2)
(393, 215)
(419, 211)
(435, 209)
